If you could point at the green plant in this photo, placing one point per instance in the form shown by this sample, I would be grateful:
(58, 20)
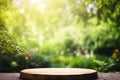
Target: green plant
(73, 61)
(9, 48)
(116, 59)
(38, 61)
(107, 63)
(104, 66)
(116, 55)
(83, 62)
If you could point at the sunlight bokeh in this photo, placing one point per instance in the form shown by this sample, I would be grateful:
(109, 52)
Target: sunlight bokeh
(59, 33)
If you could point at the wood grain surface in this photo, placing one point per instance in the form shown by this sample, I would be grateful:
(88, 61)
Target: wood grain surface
(101, 76)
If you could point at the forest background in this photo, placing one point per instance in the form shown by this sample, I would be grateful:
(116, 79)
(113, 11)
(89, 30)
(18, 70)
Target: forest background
(59, 33)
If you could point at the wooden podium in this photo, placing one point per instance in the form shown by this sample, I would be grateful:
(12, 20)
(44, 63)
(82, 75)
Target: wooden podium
(58, 74)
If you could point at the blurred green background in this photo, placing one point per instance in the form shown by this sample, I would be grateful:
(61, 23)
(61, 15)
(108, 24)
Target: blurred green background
(59, 33)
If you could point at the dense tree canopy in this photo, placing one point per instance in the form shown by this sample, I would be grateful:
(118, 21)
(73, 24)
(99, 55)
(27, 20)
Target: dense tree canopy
(86, 24)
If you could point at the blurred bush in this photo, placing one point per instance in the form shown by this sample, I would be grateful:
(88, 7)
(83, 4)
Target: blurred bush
(9, 48)
(60, 35)
(100, 63)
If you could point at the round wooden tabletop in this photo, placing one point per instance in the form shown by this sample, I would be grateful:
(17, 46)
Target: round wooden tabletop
(58, 74)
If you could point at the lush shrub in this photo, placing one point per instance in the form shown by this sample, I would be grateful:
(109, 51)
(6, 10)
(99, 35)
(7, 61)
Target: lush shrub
(31, 61)
(39, 61)
(8, 49)
(100, 63)
(73, 61)
(16, 63)
(14, 59)
(83, 62)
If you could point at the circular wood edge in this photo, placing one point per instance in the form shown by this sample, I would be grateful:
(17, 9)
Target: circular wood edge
(58, 71)
(27, 76)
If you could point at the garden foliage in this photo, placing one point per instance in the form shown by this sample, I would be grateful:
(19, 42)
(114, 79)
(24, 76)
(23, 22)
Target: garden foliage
(58, 33)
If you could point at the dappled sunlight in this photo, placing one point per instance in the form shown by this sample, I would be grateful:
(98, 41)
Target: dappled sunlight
(91, 8)
(59, 33)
